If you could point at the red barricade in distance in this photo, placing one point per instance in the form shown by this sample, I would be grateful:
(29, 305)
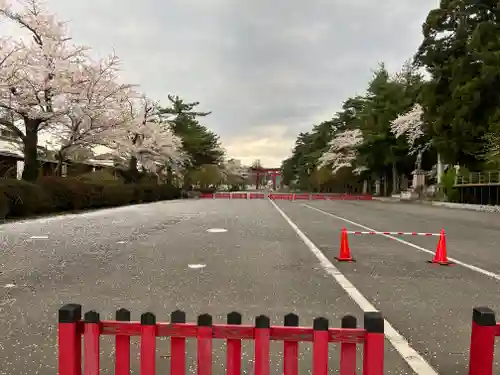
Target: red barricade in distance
(363, 197)
(206, 196)
(316, 197)
(239, 196)
(284, 197)
(482, 345)
(72, 329)
(257, 196)
(336, 197)
(222, 195)
(301, 197)
(349, 197)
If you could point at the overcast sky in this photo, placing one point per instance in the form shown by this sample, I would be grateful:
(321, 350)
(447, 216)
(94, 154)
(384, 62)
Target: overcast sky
(268, 69)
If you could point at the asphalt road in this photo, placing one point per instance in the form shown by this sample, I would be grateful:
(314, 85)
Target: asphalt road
(138, 257)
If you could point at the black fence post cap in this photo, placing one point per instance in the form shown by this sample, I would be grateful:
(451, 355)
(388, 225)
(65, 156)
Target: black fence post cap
(320, 324)
(178, 317)
(148, 319)
(91, 317)
(262, 321)
(122, 315)
(484, 316)
(234, 317)
(205, 320)
(291, 320)
(374, 322)
(70, 313)
(349, 321)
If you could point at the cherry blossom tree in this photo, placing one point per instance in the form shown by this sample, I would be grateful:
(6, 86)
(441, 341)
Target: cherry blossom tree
(493, 146)
(37, 72)
(101, 104)
(234, 173)
(410, 125)
(343, 150)
(142, 140)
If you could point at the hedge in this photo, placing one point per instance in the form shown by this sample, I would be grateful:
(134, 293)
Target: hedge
(56, 194)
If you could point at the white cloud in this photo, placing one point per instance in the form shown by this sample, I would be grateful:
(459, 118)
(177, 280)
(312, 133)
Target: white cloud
(268, 145)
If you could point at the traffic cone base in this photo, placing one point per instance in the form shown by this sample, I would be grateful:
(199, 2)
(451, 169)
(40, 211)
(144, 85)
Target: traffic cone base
(446, 263)
(345, 251)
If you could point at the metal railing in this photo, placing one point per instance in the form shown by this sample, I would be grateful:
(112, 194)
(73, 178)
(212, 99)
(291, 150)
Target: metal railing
(479, 178)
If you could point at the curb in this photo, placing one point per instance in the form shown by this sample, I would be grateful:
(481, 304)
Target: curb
(460, 206)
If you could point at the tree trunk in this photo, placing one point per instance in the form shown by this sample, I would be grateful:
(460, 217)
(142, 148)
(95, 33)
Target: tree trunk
(30, 172)
(132, 165)
(395, 187)
(170, 175)
(133, 172)
(60, 160)
(385, 184)
(440, 169)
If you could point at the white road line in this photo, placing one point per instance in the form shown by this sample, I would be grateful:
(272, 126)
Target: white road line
(216, 230)
(196, 266)
(466, 265)
(410, 355)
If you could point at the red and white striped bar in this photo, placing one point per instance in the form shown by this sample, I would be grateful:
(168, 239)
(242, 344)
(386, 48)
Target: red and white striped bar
(397, 233)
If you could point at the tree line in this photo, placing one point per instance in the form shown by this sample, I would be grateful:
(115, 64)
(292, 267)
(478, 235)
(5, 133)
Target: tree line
(51, 85)
(441, 108)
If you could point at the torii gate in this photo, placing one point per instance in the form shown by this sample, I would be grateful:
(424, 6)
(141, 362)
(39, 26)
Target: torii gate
(274, 173)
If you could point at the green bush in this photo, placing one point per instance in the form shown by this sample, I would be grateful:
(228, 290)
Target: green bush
(102, 176)
(118, 195)
(67, 193)
(154, 192)
(447, 185)
(23, 198)
(55, 194)
(169, 192)
(4, 206)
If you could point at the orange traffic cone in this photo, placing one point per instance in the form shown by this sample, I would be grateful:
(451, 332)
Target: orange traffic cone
(441, 256)
(345, 251)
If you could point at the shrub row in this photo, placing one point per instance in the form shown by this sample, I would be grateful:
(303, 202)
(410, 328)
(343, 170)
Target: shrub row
(55, 194)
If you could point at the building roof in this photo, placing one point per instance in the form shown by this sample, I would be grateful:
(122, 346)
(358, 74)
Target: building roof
(12, 148)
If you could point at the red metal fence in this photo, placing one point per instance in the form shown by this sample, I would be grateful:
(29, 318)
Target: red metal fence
(72, 328)
(482, 346)
(222, 195)
(283, 197)
(302, 197)
(288, 196)
(206, 195)
(239, 196)
(257, 196)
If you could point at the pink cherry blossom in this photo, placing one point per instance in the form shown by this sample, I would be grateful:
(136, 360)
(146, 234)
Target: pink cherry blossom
(145, 138)
(343, 150)
(409, 125)
(99, 104)
(37, 70)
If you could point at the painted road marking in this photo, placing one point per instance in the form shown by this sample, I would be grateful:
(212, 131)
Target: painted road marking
(39, 237)
(410, 355)
(216, 230)
(466, 265)
(196, 266)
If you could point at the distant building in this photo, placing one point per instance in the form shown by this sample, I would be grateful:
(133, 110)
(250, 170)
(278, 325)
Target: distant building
(12, 156)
